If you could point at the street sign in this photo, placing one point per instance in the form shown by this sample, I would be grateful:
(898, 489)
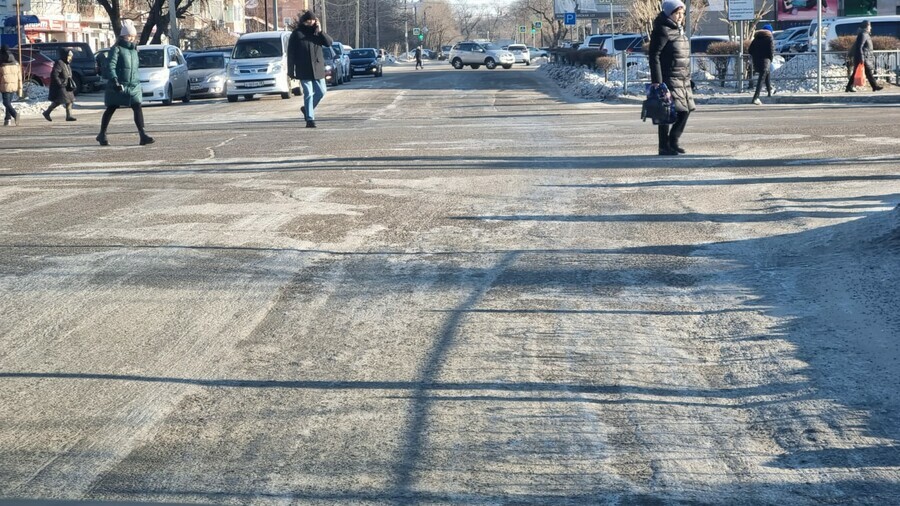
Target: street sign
(537, 25)
(522, 28)
(415, 31)
(741, 10)
(570, 18)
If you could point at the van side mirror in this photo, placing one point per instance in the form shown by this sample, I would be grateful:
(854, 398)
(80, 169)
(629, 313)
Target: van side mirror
(173, 63)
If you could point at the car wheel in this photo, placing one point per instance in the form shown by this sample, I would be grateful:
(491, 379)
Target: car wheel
(507, 67)
(35, 80)
(457, 63)
(489, 63)
(286, 96)
(168, 99)
(232, 98)
(186, 99)
(475, 66)
(248, 97)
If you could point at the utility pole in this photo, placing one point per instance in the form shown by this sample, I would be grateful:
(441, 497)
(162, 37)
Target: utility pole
(266, 15)
(406, 27)
(357, 24)
(377, 34)
(275, 13)
(324, 15)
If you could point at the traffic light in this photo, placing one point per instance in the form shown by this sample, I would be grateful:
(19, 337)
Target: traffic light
(421, 36)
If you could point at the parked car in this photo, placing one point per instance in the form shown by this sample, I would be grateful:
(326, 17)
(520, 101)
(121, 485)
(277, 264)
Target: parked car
(85, 72)
(593, 42)
(475, 54)
(538, 53)
(444, 53)
(207, 73)
(520, 53)
(882, 26)
(36, 67)
(789, 37)
(338, 48)
(164, 74)
(259, 66)
(365, 62)
(619, 44)
(334, 68)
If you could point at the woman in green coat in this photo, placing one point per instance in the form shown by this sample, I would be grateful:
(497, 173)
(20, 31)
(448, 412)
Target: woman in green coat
(123, 83)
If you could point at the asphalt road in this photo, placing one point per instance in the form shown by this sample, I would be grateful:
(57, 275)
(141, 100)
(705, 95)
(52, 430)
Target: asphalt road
(461, 288)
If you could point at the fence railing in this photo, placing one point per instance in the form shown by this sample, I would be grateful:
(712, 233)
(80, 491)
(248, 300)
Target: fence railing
(725, 72)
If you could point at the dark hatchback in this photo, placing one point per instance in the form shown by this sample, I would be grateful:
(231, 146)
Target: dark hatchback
(365, 62)
(85, 70)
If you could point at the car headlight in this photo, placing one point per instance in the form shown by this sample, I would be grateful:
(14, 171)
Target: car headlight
(328, 67)
(277, 68)
(233, 70)
(215, 79)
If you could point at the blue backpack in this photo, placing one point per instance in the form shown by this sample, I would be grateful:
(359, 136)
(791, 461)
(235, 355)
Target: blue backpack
(658, 106)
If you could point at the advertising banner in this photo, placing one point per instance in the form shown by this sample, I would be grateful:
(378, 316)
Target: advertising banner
(804, 10)
(860, 8)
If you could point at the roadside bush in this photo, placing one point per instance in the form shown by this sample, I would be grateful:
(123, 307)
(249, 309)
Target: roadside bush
(845, 43)
(886, 43)
(589, 57)
(605, 64)
(719, 51)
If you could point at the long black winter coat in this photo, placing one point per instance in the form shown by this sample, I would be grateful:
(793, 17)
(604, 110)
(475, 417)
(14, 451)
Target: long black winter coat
(862, 50)
(306, 61)
(670, 61)
(59, 76)
(762, 49)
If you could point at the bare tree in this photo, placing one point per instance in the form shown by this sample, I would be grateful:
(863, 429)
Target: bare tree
(468, 17)
(543, 11)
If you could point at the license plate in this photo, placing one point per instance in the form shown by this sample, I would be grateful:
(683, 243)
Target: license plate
(253, 84)
(359, 68)
(195, 86)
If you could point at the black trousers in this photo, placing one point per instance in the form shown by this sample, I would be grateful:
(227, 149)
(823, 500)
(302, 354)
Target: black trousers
(419, 63)
(669, 134)
(763, 77)
(108, 114)
(54, 105)
(7, 103)
(870, 76)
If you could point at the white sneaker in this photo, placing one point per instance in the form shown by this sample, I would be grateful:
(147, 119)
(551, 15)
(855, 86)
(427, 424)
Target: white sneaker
(756, 101)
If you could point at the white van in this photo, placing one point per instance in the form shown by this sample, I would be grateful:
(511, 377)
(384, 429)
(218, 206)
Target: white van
(259, 66)
(164, 74)
(882, 26)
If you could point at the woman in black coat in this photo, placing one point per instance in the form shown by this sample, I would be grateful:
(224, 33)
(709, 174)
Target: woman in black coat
(670, 63)
(862, 53)
(62, 86)
(762, 51)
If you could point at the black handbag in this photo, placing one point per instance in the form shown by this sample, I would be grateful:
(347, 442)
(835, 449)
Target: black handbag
(70, 84)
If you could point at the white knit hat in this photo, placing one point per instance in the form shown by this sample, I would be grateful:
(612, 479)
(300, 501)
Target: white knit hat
(670, 6)
(128, 28)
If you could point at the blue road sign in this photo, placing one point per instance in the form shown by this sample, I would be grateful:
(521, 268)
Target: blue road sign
(570, 18)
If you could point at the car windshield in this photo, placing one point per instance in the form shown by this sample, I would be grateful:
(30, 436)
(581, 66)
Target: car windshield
(362, 53)
(257, 48)
(211, 61)
(151, 58)
(491, 47)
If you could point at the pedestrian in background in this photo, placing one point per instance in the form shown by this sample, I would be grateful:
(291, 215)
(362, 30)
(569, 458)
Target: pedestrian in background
(10, 83)
(862, 54)
(670, 63)
(762, 51)
(306, 63)
(419, 58)
(123, 83)
(62, 86)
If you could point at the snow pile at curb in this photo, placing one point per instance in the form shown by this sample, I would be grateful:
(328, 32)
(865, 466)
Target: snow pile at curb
(36, 101)
(582, 81)
(802, 70)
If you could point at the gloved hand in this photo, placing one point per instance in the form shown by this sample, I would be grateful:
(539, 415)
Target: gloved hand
(119, 87)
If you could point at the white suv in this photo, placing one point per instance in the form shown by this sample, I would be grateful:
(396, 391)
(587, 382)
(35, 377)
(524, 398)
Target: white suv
(520, 53)
(476, 54)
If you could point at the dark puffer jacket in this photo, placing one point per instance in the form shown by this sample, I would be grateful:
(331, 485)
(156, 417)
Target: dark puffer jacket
(862, 50)
(762, 49)
(306, 61)
(670, 61)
